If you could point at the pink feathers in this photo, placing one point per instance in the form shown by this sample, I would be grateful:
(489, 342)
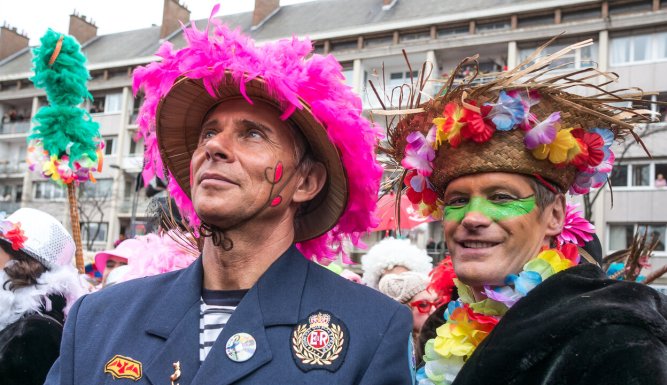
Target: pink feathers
(292, 75)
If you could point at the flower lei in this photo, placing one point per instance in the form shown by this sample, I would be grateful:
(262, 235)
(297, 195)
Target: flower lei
(588, 150)
(468, 322)
(13, 233)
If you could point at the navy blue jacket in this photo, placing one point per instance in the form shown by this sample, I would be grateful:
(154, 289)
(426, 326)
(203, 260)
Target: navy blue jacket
(155, 322)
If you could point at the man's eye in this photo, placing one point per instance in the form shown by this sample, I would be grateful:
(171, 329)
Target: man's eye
(207, 134)
(254, 134)
(500, 198)
(457, 202)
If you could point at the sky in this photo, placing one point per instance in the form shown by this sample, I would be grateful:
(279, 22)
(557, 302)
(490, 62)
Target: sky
(34, 16)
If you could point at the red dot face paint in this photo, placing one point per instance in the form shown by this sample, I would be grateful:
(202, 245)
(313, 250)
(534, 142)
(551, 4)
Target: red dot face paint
(276, 201)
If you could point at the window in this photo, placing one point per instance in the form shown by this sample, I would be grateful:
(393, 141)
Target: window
(654, 232)
(579, 58)
(619, 176)
(109, 146)
(48, 190)
(101, 188)
(492, 26)
(344, 45)
(535, 20)
(112, 103)
(638, 48)
(94, 231)
(640, 175)
(379, 41)
(629, 7)
(454, 30)
(621, 234)
(581, 14)
(136, 147)
(411, 36)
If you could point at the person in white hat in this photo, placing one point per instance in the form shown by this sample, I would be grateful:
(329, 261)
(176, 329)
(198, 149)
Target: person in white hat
(392, 255)
(37, 285)
(411, 289)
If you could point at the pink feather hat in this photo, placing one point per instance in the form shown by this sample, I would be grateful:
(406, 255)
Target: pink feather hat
(309, 90)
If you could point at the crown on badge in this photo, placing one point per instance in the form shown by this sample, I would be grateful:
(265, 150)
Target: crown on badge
(319, 319)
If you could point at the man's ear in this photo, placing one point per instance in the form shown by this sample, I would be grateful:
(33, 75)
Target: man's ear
(554, 215)
(311, 183)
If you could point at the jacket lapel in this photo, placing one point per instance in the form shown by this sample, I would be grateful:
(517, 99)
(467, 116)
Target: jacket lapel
(274, 300)
(176, 321)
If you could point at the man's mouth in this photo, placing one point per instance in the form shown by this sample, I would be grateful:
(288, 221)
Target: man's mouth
(478, 244)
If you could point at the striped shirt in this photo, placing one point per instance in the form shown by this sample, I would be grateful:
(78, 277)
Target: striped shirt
(216, 307)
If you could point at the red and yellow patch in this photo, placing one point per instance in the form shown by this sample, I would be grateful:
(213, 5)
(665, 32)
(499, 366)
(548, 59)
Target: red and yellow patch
(123, 367)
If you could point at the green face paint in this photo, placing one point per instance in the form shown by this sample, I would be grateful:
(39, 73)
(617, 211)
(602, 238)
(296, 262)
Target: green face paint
(496, 211)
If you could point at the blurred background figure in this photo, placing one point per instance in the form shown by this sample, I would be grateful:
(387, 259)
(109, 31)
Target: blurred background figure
(411, 289)
(147, 255)
(393, 255)
(108, 260)
(38, 284)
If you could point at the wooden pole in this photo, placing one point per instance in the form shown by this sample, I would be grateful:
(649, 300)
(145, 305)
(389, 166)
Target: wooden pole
(76, 227)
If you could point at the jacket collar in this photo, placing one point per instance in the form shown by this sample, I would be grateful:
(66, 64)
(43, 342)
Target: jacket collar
(274, 300)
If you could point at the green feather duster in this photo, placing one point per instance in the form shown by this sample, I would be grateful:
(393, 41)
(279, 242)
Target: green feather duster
(65, 144)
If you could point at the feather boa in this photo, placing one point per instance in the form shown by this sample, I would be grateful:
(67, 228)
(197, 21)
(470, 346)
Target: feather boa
(290, 74)
(14, 304)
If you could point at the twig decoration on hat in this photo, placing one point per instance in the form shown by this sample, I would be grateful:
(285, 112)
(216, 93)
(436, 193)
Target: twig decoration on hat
(520, 121)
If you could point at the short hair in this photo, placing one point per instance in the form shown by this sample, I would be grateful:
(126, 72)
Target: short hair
(543, 195)
(22, 271)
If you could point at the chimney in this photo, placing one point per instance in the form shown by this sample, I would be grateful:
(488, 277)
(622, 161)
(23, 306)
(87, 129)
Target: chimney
(173, 13)
(11, 41)
(82, 29)
(264, 9)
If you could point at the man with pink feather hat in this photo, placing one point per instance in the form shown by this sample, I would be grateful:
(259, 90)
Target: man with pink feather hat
(271, 163)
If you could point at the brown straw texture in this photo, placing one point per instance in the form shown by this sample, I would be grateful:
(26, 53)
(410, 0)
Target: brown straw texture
(505, 151)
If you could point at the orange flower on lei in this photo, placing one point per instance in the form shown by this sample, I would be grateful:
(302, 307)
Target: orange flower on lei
(463, 332)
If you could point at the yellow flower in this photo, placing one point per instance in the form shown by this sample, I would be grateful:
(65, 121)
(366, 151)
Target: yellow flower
(554, 259)
(452, 341)
(50, 169)
(561, 150)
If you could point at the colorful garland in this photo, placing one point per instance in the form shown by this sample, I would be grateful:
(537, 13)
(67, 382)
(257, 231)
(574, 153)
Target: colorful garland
(589, 151)
(468, 322)
(13, 233)
(65, 145)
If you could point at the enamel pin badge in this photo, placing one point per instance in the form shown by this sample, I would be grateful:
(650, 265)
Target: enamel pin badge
(320, 342)
(123, 367)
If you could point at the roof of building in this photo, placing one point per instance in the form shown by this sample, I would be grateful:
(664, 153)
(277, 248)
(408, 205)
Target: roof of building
(316, 18)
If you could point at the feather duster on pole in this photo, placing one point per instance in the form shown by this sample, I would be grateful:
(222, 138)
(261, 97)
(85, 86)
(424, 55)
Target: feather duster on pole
(65, 144)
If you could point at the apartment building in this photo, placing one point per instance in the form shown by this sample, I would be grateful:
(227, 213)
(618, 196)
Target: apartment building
(367, 37)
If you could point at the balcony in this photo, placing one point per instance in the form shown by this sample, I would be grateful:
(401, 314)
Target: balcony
(12, 128)
(12, 169)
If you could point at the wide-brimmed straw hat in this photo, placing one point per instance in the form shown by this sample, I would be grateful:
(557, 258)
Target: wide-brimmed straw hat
(179, 119)
(307, 89)
(527, 120)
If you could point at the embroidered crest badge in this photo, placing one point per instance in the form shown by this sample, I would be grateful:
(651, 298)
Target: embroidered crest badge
(320, 342)
(123, 367)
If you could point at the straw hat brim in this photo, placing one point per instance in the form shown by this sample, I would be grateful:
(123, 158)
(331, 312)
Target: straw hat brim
(179, 118)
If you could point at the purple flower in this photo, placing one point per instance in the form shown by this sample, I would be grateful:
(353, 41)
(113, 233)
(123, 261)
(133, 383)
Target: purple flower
(419, 154)
(543, 132)
(504, 294)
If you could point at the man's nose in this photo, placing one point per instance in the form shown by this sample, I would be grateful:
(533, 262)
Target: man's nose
(220, 147)
(474, 220)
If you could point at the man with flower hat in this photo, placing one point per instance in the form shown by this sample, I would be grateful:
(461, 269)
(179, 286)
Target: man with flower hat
(532, 308)
(269, 159)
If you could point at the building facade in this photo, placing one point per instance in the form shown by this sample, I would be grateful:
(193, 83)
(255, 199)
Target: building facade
(368, 37)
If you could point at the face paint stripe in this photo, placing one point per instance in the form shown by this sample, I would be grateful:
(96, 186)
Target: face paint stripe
(494, 211)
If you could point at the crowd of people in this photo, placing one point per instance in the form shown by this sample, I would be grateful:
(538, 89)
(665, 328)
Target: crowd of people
(273, 167)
